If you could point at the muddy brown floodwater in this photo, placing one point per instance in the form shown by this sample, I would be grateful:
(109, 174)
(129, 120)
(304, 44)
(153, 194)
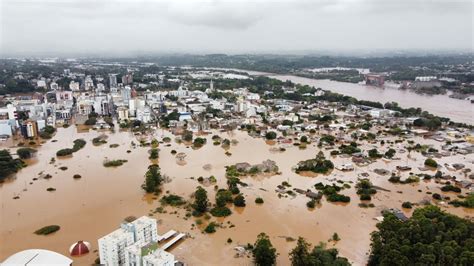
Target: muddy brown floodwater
(94, 205)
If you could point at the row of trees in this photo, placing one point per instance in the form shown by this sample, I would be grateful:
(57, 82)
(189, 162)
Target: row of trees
(429, 237)
(264, 254)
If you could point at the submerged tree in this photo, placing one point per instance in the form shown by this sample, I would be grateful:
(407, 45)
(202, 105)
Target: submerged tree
(429, 237)
(318, 256)
(264, 254)
(153, 179)
(200, 201)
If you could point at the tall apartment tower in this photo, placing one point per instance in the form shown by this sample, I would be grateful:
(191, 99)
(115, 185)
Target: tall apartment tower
(113, 81)
(113, 247)
(127, 78)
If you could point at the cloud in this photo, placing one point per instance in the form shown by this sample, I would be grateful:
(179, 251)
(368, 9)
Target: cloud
(232, 26)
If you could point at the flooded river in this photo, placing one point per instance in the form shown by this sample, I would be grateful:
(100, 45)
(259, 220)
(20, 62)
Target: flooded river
(94, 205)
(440, 105)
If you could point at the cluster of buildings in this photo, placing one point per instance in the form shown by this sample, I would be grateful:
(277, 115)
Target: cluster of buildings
(137, 243)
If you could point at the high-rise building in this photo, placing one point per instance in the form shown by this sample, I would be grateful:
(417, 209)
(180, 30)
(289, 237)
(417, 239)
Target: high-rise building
(134, 244)
(100, 87)
(113, 81)
(126, 94)
(127, 78)
(88, 83)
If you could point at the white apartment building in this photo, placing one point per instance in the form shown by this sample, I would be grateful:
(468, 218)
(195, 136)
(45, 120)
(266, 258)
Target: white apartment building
(54, 86)
(112, 247)
(159, 257)
(88, 84)
(74, 86)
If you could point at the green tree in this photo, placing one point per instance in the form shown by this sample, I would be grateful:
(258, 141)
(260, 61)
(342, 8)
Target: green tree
(188, 136)
(299, 256)
(153, 179)
(239, 201)
(264, 254)
(270, 135)
(431, 163)
(429, 237)
(374, 154)
(390, 153)
(200, 200)
(319, 255)
(25, 153)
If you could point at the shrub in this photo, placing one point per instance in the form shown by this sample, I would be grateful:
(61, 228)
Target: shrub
(173, 200)
(452, 188)
(431, 163)
(153, 154)
(365, 197)
(210, 228)
(407, 205)
(259, 200)
(78, 144)
(304, 139)
(239, 201)
(114, 163)
(338, 198)
(311, 204)
(64, 152)
(76, 176)
(221, 211)
(98, 141)
(199, 142)
(437, 196)
(47, 230)
(188, 136)
(271, 135)
(25, 153)
(374, 154)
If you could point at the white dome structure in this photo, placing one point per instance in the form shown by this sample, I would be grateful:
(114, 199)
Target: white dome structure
(37, 257)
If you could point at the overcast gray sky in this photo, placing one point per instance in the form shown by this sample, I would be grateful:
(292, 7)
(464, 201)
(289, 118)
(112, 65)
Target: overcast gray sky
(233, 26)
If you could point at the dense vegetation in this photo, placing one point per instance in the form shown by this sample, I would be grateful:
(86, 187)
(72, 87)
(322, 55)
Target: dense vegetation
(429, 237)
(172, 200)
(8, 165)
(78, 144)
(317, 165)
(47, 132)
(303, 255)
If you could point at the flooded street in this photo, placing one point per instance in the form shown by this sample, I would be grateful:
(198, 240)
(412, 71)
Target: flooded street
(94, 205)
